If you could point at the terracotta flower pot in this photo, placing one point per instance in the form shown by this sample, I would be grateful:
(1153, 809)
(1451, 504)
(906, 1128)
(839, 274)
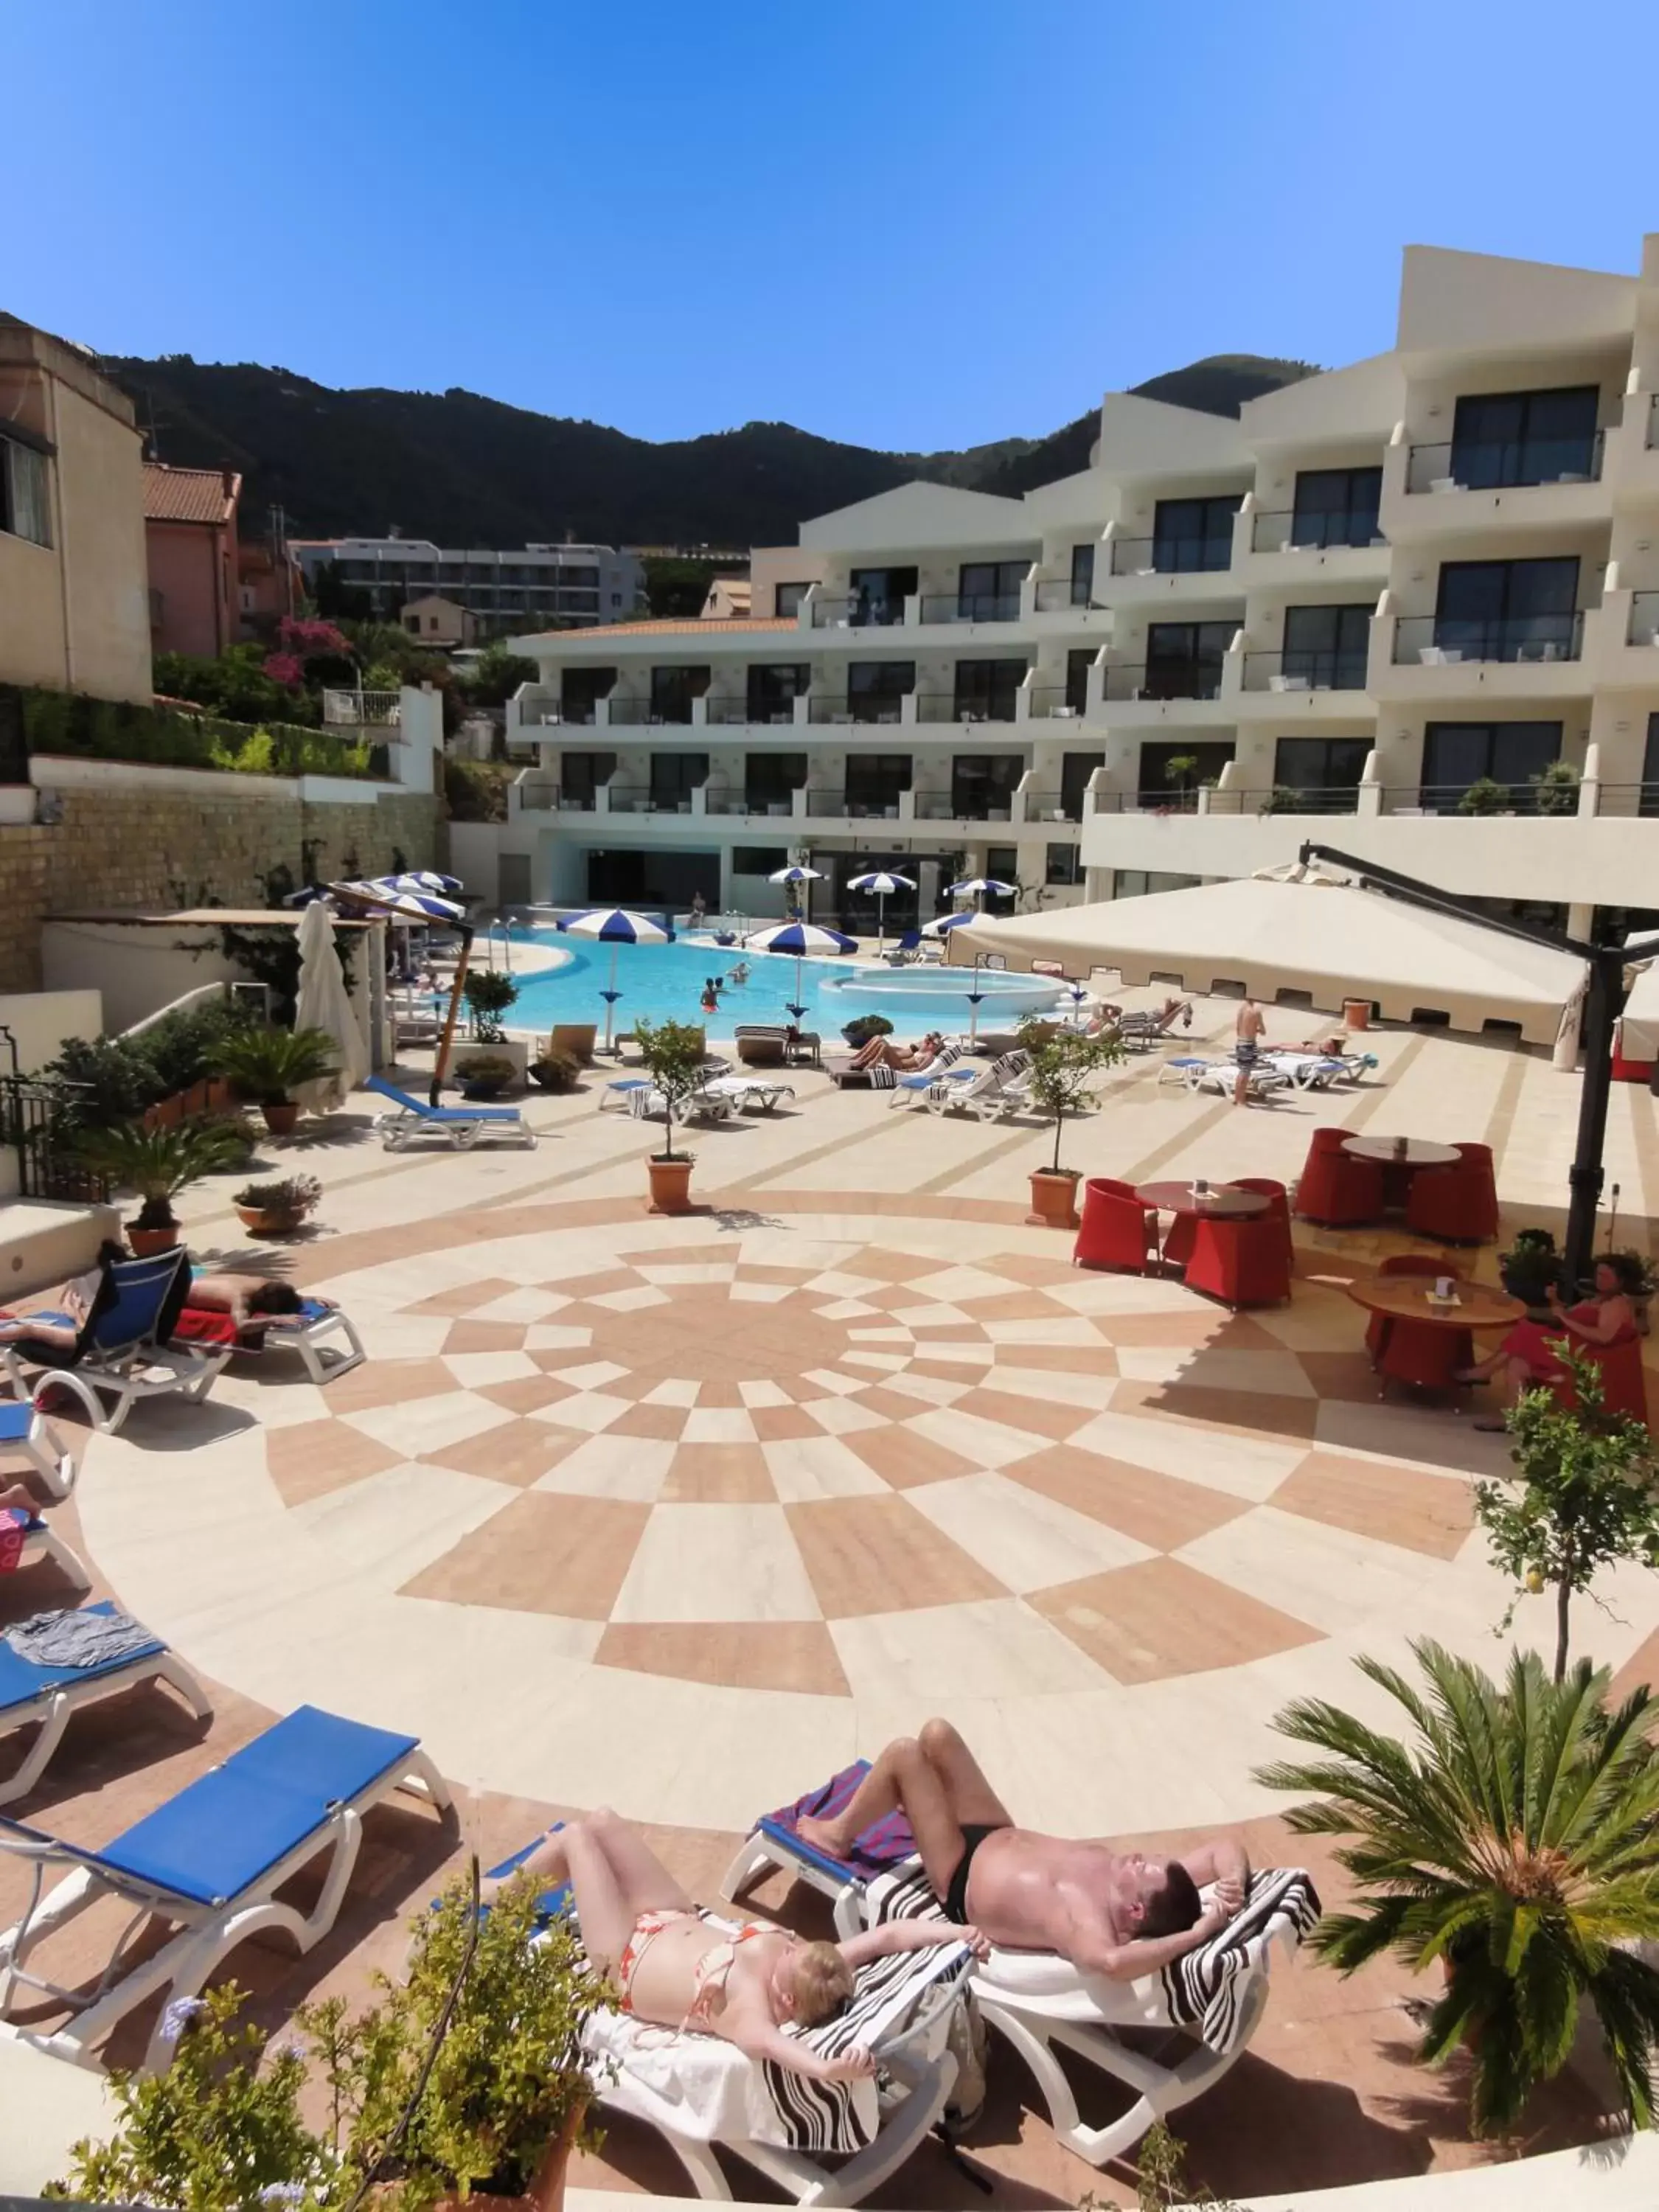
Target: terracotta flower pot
(147, 1242)
(1054, 1198)
(276, 1222)
(671, 1184)
(280, 1115)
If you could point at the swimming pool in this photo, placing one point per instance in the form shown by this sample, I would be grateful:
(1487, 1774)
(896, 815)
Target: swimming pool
(664, 982)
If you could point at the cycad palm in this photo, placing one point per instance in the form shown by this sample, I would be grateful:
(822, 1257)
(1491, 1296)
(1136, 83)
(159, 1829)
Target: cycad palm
(1518, 1839)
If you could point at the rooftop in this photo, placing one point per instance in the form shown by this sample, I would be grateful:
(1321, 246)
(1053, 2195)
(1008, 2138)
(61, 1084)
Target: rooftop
(208, 495)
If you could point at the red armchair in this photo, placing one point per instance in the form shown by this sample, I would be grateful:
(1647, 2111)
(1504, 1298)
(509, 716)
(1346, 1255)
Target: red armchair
(1335, 1190)
(1116, 1229)
(1455, 1206)
(1403, 1263)
(1279, 1209)
(1241, 1262)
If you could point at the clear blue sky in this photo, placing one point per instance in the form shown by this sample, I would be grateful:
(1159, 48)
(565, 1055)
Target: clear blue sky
(918, 225)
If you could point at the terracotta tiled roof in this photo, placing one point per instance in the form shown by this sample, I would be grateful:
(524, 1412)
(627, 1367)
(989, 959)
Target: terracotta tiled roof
(188, 494)
(692, 626)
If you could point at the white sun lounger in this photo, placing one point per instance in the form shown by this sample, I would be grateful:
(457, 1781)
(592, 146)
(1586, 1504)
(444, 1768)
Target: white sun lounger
(47, 1697)
(460, 1127)
(25, 1430)
(993, 1093)
(42, 1541)
(210, 1861)
(749, 1092)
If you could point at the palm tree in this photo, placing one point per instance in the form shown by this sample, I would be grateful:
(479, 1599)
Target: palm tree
(1516, 1840)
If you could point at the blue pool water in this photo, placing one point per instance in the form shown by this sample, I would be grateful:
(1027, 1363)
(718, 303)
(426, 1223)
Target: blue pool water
(665, 982)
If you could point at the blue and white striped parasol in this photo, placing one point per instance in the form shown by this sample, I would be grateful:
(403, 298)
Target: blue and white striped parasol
(942, 926)
(796, 876)
(976, 887)
(403, 906)
(803, 939)
(421, 881)
(614, 926)
(883, 884)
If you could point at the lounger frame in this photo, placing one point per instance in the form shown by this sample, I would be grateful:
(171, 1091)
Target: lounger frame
(42, 1541)
(205, 1934)
(313, 1340)
(412, 1119)
(135, 1372)
(55, 1707)
(45, 1450)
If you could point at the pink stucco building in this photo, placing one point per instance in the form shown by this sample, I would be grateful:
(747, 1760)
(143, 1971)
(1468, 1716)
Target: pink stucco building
(190, 533)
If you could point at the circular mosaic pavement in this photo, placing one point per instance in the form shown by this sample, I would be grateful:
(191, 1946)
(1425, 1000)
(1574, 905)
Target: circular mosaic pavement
(681, 1515)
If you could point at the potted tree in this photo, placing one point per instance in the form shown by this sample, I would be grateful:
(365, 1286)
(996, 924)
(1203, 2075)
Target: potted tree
(1555, 788)
(1585, 1498)
(158, 1164)
(1507, 1832)
(268, 1065)
(485, 1075)
(1531, 1267)
(488, 993)
(673, 1055)
(858, 1031)
(277, 1209)
(1485, 795)
(1062, 1065)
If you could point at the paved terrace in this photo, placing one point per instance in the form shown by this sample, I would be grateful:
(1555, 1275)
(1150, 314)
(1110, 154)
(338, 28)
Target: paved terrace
(680, 1514)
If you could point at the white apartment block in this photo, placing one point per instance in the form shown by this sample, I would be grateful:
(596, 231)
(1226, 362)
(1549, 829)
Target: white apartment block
(580, 585)
(1429, 572)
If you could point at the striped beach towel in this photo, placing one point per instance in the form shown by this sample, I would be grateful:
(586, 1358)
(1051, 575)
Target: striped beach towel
(1203, 1992)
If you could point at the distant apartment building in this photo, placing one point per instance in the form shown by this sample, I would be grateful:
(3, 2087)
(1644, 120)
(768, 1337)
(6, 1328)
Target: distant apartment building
(190, 539)
(74, 610)
(545, 585)
(1407, 608)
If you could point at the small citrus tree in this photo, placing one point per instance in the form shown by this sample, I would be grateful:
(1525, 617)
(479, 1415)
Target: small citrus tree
(1062, 1067)
(1586, 1497)
(673, 1052)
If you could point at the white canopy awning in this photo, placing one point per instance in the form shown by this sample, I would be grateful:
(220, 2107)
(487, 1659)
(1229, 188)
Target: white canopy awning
(1638, 1033)
(1274, 937)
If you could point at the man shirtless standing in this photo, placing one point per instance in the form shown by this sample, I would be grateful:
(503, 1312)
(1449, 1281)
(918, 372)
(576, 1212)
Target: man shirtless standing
(1247, 1045)
(1117, 1913)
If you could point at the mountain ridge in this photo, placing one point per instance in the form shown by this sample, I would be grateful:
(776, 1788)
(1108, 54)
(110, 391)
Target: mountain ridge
(462, 469)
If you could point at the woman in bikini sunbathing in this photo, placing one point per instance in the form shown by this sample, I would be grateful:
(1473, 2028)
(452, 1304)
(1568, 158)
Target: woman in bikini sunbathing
(672, 1968)
(905, 1059)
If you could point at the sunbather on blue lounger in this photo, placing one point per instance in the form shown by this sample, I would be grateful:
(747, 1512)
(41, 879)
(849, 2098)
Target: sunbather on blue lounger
(643, 1931)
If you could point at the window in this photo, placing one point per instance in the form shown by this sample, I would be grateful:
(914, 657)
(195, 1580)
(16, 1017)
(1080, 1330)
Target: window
(785, 600)
(1336, 507)
(1524, 437)
(875, 782)
(1457, 754)
(674, 777)
(1075, 770)
(1184, 659)
(1082, 574)
(759, 859)
(987, 690)
(878, 596)
(1062, 864)
(875, 688)
(1194, 533)
(1172, 770)
(769, 779)
(672, 690)
(581, 775)
(988, 591)
(1078, 662)
(1508, 610)
(774, 688)
(1002, 861)
(615, 599)
(981, 785)
(1330, 766)
(580, 690)
(1326, 647)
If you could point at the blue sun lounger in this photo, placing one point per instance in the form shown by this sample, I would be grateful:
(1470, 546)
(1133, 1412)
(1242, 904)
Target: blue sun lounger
(26, 1430)
(122, 1346)
(460, 1127)
(32, 1696)
(210, 1861)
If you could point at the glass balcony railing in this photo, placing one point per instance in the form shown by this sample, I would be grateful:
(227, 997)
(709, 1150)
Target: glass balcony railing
(857, 806)
(970, 606)
(1170, 556)
(1504, 464)
(958, 706)
(886, 707)
(1063, 703)
(859, 612)
(1059, 595)
(1290, 532)
(1297, 668)
(962, 806)
(1441, 641)
(1644, 619)
(1163, 679)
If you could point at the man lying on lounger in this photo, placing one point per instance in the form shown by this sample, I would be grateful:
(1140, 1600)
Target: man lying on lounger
(1117, 1913)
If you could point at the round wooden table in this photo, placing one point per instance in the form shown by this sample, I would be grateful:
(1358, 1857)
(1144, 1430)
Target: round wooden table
(1406, 1297)
(1224, 1203)
(1419, 1152)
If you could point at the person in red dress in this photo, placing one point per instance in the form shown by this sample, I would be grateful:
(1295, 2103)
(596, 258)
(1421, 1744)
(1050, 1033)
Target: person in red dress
(1530, 1355)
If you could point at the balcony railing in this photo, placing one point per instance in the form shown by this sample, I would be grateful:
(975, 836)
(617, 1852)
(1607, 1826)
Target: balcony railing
(1052, 806)
(1448, 799)
(1504, 464)
(536, 797)
(886, 709)
(1437, 641)
(1644, 619)
(880, 807)
(961, 806)
(1300, 669)
(1290, 532)
(729, 713)
(970, 606)
(552, 713)
(361, 709)
(1628, 798)
(953, 707)
(1059, 595)
(1170, 556)
(1162, 680)
(1057, 702)
(1287, 799)
(856, 613)
(740, 802)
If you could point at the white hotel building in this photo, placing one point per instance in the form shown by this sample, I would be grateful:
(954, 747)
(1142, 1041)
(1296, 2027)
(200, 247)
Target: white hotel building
(1435, 568)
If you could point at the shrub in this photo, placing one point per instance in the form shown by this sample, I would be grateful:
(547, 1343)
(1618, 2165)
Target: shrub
(1555, 788)
(862, 1027)
(489, 993)
(269, 1064)
(159, 1164)
(292, 1194)
(556, 1071)
(1061, 1067)
(1485, 796)
(485, 1073)
(673, 1052)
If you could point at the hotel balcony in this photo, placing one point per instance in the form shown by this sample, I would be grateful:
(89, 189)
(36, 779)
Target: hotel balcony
(1301, 684)
(1182, 571)
(1280, 546)
(1601, 853)
(955, 611)
(827, 808)
(1426, 657)
(1621, 640)
(1461, 488)
(1060, 605)
(1187, 695)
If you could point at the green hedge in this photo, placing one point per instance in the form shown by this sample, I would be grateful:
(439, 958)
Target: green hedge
(70, 722)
